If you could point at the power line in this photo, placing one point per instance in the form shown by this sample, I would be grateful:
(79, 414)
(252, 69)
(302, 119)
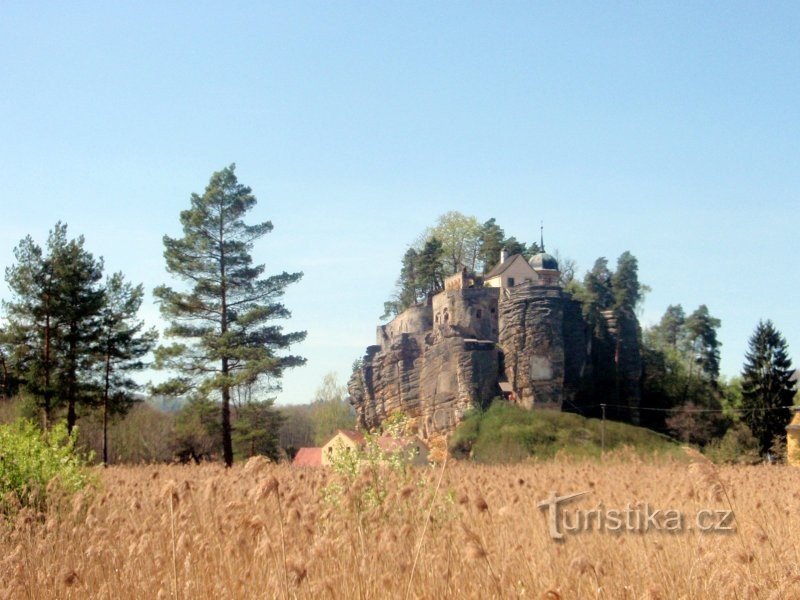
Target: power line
(690, 410)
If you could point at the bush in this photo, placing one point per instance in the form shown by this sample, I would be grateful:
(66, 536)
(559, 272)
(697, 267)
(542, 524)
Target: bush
(507, 433)
(737, 446)
(36, 465)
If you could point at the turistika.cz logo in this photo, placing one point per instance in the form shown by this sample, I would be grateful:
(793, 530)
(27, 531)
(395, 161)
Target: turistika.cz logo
(634, 518)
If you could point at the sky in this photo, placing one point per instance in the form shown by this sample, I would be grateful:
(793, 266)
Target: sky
(669, 129)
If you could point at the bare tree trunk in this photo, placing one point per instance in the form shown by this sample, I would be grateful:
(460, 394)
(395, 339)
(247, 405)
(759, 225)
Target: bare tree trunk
(47, 391)
(105, 409)
(227, 443)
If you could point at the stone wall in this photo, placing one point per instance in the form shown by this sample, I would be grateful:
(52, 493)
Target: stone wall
(470, 312)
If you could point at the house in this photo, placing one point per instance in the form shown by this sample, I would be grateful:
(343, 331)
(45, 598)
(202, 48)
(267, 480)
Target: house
(352, 441)
(412, 447)
(342, 441)
(510, 271)
(308, 457)
(793, 439)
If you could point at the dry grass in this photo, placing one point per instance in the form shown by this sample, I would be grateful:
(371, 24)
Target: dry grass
(263, 531)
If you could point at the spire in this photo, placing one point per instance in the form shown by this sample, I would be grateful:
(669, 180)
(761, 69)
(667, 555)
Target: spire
(541, 236)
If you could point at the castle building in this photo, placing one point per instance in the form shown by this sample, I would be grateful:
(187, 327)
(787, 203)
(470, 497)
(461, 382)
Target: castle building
(512, 333)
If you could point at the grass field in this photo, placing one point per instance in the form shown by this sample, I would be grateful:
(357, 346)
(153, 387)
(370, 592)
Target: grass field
(462, 531)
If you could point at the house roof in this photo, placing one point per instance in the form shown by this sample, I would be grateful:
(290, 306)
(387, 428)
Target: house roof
(500, 268)
(308, 457)
(355, 436)
(385, 442)
(543, 260)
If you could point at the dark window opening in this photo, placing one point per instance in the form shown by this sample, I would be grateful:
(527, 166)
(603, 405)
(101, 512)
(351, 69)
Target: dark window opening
(510, 282)
(478, 313)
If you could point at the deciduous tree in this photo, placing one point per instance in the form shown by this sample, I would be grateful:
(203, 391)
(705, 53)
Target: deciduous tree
(460, 237)
(330, 410)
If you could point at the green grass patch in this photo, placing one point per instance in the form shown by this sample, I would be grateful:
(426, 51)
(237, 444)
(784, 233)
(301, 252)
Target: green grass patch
(507, 433)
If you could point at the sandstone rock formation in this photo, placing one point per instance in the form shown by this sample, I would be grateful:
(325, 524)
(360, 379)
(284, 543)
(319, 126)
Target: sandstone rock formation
(469, 344)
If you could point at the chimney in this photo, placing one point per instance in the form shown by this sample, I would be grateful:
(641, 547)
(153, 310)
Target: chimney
(503, 256)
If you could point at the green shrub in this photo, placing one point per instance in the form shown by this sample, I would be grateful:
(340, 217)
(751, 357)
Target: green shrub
(737, 446)
(507, 433)
(36, 465)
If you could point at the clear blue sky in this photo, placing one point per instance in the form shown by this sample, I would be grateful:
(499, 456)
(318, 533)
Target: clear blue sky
(668, 129)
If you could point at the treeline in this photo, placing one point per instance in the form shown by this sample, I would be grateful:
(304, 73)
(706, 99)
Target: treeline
(71, 339)
(738, 420)
(683, 395)
(163, 429)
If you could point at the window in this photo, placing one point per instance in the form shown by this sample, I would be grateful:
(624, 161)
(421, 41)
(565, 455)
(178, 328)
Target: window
(478, 313)
(510, 282)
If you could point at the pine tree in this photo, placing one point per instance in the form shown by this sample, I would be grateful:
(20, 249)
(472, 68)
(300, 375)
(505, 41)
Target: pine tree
(703, 345)
(80, 299)
(225, 318)
(53, 319)
(31, 323)
(8, 379)
(670, 331)
(429, 271)
(407, 292)
(123, 343)
(514, 246)
(625, 283)
(767, 386)
(256, 430)
(491, 243)
(596, 293)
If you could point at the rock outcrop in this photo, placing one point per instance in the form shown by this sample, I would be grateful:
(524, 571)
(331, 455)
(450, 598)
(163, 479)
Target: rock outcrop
(529, 343)
(432, 375)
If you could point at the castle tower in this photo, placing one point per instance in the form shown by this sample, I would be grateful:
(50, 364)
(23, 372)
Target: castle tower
(545, 265)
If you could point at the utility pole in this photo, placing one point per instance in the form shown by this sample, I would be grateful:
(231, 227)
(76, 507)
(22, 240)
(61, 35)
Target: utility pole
(603, 431)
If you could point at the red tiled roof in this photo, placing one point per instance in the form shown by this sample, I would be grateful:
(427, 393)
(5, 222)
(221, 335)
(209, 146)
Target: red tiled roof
(308, 457)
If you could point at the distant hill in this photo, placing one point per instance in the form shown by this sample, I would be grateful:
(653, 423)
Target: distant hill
(508, 433)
